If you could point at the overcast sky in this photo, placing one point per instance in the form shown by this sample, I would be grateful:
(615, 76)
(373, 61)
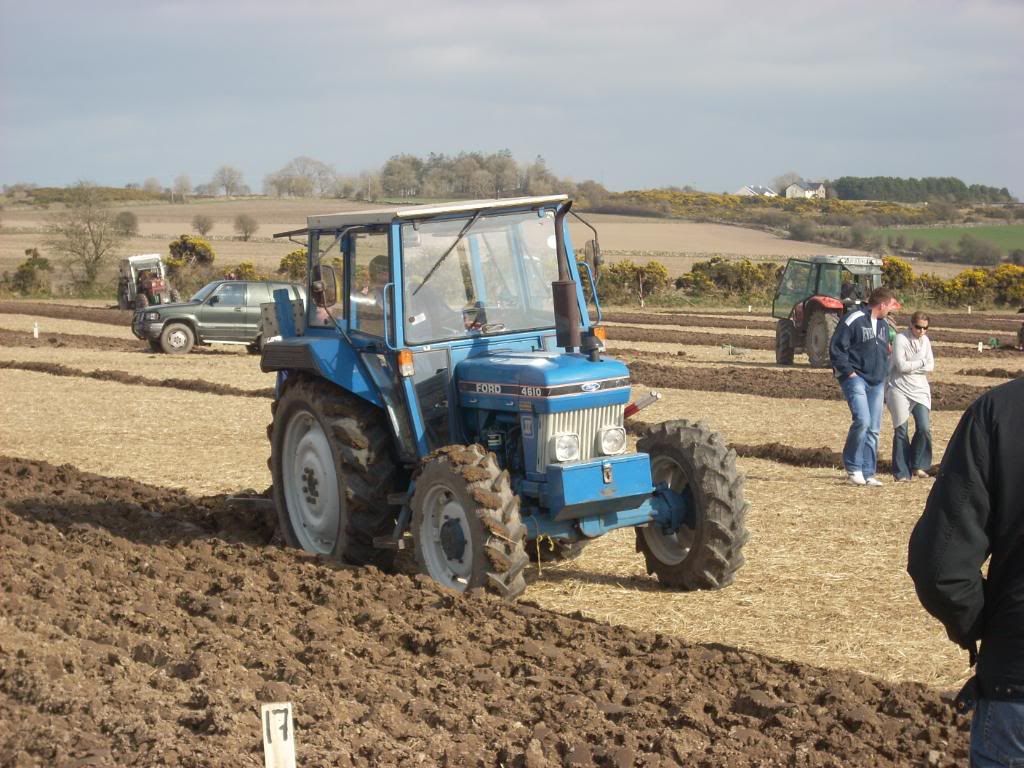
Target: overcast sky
(634, 94)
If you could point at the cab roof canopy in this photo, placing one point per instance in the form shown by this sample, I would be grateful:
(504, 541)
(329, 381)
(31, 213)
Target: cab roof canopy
(389, 214)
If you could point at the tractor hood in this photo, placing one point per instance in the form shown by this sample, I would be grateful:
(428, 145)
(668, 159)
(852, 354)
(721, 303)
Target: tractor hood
(541, 382)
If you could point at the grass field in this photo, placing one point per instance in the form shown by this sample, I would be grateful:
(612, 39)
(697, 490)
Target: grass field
(1008, 237)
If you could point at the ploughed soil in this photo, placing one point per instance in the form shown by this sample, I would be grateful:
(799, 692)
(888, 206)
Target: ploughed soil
(108, 315)
(144, 626)
(739, 339)
(740, 319)
(944, 330)
(85, 341)
(770, 381)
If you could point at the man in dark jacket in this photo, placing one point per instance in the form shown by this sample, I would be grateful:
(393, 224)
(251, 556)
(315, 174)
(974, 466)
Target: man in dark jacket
(859, 353)
(976, 510)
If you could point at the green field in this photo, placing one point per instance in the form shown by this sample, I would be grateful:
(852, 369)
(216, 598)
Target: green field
(1007, 237)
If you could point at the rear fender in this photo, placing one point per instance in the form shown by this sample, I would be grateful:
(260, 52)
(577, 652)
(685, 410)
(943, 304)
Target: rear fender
(327, 357)
(824, 303)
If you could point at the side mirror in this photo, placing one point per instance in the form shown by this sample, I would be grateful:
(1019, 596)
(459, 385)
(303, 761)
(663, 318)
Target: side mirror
(214, 300)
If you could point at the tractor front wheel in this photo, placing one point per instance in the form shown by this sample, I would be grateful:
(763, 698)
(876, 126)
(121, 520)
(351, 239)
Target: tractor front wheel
(332, 471)
(465, 522)
(820, 328)
(694, 462)
(785, 342)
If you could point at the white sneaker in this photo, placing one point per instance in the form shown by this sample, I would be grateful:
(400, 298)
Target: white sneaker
(874, 482)
(856, 478)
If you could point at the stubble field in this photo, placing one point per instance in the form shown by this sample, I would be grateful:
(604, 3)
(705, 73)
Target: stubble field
(140, 582)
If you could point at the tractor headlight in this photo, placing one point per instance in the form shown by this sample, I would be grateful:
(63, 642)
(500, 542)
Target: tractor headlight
(567, 447)
(151, 316)
(612, 440)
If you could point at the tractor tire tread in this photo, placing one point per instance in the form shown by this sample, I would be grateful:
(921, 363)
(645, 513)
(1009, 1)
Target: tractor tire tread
(366, 468)
(498, 512)
(715, 556)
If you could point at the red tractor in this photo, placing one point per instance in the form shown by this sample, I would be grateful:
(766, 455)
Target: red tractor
(813, 294)
(142, 281)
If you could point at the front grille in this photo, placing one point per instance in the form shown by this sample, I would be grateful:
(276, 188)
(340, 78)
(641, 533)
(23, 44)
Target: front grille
(585, 423)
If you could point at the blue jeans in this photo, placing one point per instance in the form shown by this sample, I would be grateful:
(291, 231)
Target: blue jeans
(997, 734)
(908, 455)
(860, 454)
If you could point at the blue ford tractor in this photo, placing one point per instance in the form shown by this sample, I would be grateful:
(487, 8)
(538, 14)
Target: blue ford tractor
(446, 388)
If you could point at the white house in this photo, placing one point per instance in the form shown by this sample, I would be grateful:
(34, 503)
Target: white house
(756, 190)
(806, 189)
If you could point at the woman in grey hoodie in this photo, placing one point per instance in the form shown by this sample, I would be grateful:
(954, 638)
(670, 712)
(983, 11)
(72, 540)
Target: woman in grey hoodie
(909, 394)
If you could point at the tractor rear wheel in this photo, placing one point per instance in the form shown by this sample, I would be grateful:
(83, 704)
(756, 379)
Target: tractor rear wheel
(694, 461)
(785, 342)
(820, 328)
(330, 457)
(466, 527)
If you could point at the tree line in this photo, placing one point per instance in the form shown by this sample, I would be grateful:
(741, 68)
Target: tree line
(934, 188)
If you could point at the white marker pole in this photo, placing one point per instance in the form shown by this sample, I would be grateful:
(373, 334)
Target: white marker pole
(35, 330)
(278, 735)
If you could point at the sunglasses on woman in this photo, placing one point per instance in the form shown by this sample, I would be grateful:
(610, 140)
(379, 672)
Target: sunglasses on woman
(921, 327)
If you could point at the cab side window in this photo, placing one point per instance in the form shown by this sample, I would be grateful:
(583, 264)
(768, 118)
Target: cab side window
(371, 272)
(259, 293)
(229, 295)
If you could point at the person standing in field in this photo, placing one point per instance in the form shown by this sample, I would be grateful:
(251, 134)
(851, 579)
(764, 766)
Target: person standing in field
(909, 394)
(859, 352)
(974, 512)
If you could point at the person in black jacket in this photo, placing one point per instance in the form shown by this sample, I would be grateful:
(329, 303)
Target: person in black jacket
(859, 352)
(975, 511)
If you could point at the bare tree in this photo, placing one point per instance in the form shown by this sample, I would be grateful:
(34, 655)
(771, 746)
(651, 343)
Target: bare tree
(229, 179)
(153, 186)
(246, 225)
(85, 233)
(202, 224)
(182, 188)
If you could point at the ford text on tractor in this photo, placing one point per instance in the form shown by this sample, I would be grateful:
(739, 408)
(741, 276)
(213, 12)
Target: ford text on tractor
(446, 389)
(813, 294)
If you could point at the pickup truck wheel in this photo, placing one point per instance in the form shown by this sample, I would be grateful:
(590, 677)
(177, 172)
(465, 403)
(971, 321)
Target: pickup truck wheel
(256, 347)
(467, 532)
(330, 457)
(177, 339)
(694, 462)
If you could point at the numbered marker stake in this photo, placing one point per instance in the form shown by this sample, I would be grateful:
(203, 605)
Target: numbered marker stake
(278, 735)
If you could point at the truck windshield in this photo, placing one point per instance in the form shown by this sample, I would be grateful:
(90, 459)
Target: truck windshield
(203, 293)
(496, 278)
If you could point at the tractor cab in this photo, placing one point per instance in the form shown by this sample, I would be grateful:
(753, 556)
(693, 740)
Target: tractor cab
(447, 385)
(811, 297)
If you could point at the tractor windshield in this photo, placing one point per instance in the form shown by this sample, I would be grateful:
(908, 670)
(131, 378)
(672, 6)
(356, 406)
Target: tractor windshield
(494, 278)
